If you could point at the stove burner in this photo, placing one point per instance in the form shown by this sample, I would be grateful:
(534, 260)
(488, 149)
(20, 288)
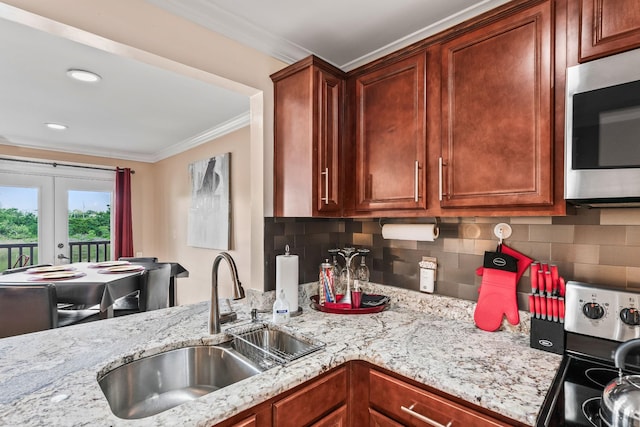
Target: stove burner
(601, 376)
(591, 411)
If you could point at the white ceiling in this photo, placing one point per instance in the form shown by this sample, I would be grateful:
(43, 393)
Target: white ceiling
(346, 33)
(140, 112)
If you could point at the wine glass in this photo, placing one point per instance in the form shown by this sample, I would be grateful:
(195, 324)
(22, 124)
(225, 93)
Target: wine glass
(362, 273)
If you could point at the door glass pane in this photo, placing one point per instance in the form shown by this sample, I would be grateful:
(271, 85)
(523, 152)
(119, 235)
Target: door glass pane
(89, 225)
(18, 227)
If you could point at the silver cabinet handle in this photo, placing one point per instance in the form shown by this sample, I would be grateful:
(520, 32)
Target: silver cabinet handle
(326, 186)
(440, 178)
(429, 421)
(415, 182)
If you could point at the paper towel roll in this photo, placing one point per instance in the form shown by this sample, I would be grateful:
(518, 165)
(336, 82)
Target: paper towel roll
(421, 232)
(287, 279)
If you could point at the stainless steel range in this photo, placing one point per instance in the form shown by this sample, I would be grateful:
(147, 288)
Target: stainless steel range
(597, 320)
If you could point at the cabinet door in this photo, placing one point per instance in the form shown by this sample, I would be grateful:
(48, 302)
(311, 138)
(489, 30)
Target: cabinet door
(328, 112)
(608, 26)
(412, 406)
(390, 120)
(308, 103)
(312, 402)
(497, 146)
(338, 418)
(258, 416)
(251, 421)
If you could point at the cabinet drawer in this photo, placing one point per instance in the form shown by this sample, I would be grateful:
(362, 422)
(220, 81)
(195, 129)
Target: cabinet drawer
(376, 419)
(310, 403)
(390, 395)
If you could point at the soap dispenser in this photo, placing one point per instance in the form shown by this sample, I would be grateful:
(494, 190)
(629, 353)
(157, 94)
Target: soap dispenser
(281, 309)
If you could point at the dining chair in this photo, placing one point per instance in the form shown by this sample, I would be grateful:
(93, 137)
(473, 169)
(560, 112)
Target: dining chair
(25, 268)
(129, 303)
(153, 294)
(27, 308)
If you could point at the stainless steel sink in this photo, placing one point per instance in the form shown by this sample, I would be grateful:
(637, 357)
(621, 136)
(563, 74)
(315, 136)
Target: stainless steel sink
(267, 346)
(154, 384)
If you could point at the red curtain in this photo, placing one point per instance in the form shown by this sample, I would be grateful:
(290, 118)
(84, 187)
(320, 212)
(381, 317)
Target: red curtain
(123, 233)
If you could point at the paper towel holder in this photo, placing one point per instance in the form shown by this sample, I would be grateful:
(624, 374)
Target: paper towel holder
(382, 221)
(420, 231)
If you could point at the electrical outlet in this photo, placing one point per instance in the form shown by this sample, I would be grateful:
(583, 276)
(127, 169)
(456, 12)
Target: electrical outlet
(427, 280)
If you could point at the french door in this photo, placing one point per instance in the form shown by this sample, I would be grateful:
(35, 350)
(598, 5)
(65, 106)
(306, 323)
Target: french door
(54, 215)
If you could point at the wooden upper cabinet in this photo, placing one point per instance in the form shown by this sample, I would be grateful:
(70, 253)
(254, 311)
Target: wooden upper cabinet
(607, 27)
(307, 141)
(390, 141)
(497, 127)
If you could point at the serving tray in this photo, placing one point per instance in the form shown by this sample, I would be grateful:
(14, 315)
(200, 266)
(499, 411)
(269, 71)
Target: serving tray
(336, 309)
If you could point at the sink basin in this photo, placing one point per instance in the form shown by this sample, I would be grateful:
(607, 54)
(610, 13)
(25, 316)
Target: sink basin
(154, 384)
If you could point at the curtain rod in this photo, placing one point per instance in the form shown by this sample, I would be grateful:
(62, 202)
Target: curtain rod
(55, 164)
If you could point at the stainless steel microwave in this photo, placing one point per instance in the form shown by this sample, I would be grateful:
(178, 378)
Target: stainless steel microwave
(602, 138)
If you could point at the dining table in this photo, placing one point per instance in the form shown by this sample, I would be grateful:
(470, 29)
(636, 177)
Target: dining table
(85, 283)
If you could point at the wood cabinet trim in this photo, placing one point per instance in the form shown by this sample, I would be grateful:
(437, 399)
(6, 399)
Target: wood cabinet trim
(594, 43)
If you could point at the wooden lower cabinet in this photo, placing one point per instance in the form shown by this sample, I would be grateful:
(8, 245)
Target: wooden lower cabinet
(376, 419)
(313, 402)
(358, 394)
(412, 406)
(258, 416)
(337, 418)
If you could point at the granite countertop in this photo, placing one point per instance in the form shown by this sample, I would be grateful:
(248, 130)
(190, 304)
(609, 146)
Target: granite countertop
(49, 377)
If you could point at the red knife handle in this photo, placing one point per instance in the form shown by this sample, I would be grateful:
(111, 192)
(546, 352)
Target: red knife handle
(532, 305)
(541, 282)
(543, 308)
(544, 267)
(536, 299)
(554, 275)
(548, 282)
(561, 309)
(555, 308)
(535, 267)
(561, 286)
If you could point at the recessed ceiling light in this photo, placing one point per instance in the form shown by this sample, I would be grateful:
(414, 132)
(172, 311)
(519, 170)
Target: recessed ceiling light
(56, 126)
(83, 75)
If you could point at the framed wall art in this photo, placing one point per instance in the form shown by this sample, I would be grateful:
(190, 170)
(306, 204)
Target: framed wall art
(209, 213)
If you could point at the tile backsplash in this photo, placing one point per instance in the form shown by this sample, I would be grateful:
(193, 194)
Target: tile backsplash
(595, 245)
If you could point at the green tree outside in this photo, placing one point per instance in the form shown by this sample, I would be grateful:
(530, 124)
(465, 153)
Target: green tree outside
(22, 227)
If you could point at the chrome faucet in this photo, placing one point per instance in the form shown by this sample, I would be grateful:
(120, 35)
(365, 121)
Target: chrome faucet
(238, 293)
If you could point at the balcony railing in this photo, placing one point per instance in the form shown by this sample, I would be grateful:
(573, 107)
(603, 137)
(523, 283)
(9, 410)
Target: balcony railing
(92, 251)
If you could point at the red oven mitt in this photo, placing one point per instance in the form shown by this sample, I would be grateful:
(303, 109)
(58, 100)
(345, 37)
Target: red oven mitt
(497, 292)
(523, 261)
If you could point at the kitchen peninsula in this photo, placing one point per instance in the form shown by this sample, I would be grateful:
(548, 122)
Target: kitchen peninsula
(49, 377)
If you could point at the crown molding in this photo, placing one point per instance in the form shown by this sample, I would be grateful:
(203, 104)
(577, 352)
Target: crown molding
(234, 27)
(217, 131)
(426, 32)
(223, 22)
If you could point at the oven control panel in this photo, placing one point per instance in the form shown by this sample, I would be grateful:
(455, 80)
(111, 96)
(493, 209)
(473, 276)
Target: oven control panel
(602, 312)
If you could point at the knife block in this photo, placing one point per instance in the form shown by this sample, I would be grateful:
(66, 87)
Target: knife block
(547, 336)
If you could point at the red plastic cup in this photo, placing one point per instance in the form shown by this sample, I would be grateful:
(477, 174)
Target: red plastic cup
(356, 298)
